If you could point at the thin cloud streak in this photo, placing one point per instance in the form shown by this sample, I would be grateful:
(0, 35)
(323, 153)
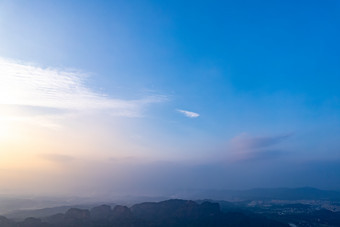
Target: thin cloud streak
(27, 85)
(188, 113)
(244, 142)
(245, 147)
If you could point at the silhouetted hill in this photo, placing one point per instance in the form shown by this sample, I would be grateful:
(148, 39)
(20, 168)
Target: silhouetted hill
(4, 222)
(40, 213)
(101, 212)
(121, 212)
(181, 213)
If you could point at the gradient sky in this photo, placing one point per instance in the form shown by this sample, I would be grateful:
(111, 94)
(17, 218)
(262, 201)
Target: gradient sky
(152, 97)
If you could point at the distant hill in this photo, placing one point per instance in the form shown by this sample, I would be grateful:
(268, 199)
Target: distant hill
(179, 213)
(304, 193)
(44, 212)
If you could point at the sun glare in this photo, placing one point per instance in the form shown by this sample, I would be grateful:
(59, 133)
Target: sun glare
(9, 124)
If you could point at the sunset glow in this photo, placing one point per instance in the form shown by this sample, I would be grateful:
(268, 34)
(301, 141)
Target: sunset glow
(146, 97)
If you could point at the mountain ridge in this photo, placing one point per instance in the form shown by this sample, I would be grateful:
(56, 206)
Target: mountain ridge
(174, 212)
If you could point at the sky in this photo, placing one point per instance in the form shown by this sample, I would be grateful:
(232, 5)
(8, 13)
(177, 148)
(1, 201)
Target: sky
(153, 97)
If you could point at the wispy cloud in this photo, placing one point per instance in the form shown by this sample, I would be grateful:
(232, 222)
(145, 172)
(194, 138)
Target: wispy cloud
(246, 142)
(28, 85)
(189, 113)
(246, 147)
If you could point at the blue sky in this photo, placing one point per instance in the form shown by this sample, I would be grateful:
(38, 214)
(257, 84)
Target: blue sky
(220, 84)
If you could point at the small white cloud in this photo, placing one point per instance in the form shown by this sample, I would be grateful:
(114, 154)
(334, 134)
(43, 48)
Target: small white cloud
(189, 113)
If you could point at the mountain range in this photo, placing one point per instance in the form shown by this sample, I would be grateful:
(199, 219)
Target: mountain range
(158, 214)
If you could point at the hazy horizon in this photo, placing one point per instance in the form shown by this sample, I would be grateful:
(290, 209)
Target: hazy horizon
(148, 97)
